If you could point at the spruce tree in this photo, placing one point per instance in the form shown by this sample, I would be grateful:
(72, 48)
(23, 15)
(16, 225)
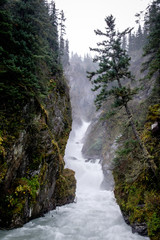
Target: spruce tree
(53, 40)
(62, 33)
(114, 65)
(152, 47)
(9, 72)
(5, 29)
(29, 50)
(31, 32)
(139, 38)
(131, 42)
(124, 42)
(65, 58)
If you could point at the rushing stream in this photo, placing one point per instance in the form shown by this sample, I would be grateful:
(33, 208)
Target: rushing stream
(94, 215)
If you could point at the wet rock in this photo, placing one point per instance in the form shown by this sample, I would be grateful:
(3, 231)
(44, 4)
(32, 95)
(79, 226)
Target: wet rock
(108, 181)
(155, 128)
(65, 187)
(73, 158)
(33, 162)
(140, 228)
(92, 160)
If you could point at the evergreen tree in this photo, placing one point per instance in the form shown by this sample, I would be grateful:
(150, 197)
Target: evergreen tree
(5, 29)
(136, 40)
(131, 42)
(139, 38)
(113, 68)
(54, 31)
(29, 50)
(53, 40)
(9, 72)
(152, 48)
(65, 58)
(30, 33)
(124, 42)
(62, 33)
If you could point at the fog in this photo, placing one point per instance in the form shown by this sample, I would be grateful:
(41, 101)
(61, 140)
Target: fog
(82, 17)
(82, 97)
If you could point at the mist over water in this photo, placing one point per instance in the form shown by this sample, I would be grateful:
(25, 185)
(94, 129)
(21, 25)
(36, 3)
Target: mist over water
(95, 214)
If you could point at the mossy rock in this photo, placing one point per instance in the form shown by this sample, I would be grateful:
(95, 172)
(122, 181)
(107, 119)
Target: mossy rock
(65, 187)
(33, 137)
(137, 187)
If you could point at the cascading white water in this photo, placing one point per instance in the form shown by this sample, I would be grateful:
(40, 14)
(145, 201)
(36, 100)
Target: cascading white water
(95, 214)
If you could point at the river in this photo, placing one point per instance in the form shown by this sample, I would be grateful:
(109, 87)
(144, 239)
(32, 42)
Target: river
(95, 214)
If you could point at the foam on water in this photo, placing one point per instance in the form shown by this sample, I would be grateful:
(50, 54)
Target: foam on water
(95, 214)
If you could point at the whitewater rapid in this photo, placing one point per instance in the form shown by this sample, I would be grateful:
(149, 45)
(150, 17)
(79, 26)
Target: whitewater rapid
(95, 214)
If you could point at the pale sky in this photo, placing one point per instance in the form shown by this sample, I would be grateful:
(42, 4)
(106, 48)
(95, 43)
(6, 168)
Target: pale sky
(84, 16)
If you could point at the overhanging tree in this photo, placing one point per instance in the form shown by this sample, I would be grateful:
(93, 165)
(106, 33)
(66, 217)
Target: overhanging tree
(114, 65)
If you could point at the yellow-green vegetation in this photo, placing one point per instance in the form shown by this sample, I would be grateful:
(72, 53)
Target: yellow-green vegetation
(151, 139)
(137, 188)
(62, 141)
(25, 191)
(2, 150)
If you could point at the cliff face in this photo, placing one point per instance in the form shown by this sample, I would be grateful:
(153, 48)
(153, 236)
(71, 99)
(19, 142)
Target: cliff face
(32, 143)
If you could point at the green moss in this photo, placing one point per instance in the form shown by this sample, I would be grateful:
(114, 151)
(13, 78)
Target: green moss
(135, 203)
(42, 174)
(137, 188)
(26, 187)
(154, 113)
(152, 208)
(63, 140)
(24, 192)
(65, 187)
(151, 140)
(2, 149)
(32, 185)
(43, 147)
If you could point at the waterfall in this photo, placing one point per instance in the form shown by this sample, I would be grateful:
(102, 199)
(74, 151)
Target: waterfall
(95, 214)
